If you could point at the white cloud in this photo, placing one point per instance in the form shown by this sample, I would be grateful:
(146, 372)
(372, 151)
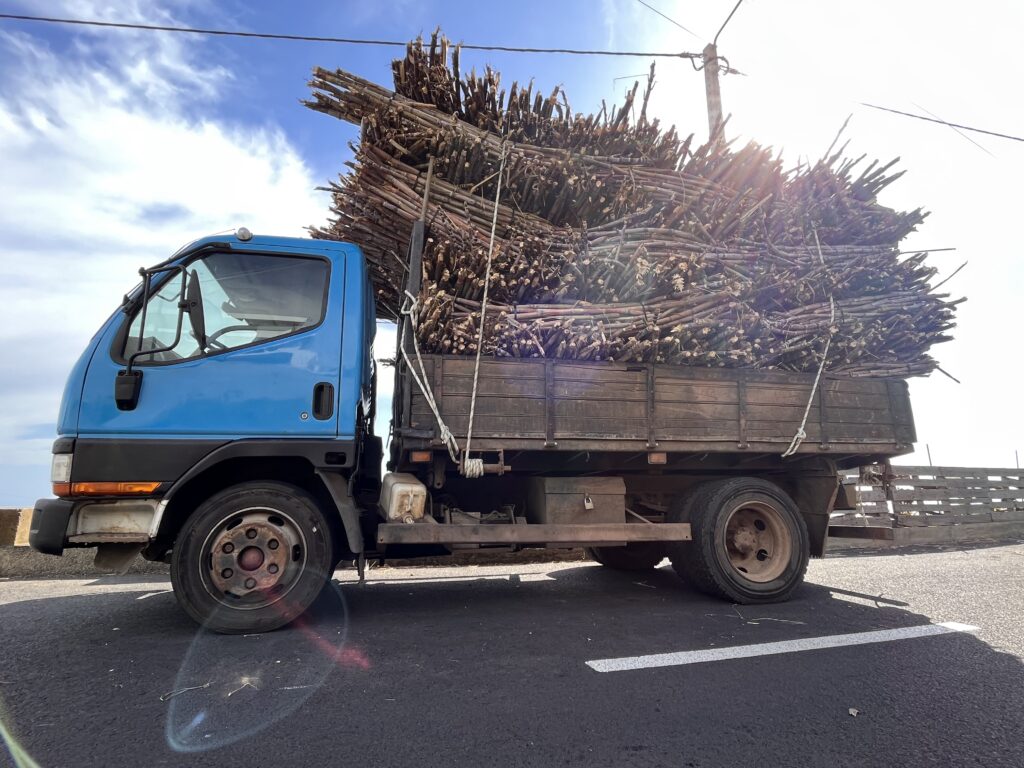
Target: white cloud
(105, 169)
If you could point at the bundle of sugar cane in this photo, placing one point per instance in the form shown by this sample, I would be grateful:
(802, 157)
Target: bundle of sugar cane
(617, 239)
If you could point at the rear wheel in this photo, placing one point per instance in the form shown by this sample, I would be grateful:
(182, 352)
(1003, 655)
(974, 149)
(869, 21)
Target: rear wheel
(251, 558)
(750, 543)
(638, 556)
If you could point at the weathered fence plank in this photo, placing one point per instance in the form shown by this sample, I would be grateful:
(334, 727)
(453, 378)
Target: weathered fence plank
(990, 499)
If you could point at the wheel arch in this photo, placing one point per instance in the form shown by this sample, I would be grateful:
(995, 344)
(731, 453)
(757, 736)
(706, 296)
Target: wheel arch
(814, 492)
(204, 481)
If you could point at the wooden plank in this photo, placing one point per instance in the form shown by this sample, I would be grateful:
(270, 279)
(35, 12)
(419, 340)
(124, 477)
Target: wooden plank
(599, 373)
(780, 431)
(781, 413)
(693, 445)
(861, 385)
(957, 472)
(596, 534)
(919, 521)
(549, 410)
(652, 440)
(873, 507)
(874, 533)
(834, 415)
(866, 402)
(743, 411)
(994, 503)
(567, 411)
(955, 494)
(791, 396)
(863, 432)
(698, 411)
(823, 413)
(490, 405)
(877, 497)
(614, 390)
(493, 385)
(490, 426)
(941, 483)
(957, 533)
(693, 393)
(682, 429)
(606, 428)
(857, 518)
(905, 507)
(1007, 515)
(457, 365)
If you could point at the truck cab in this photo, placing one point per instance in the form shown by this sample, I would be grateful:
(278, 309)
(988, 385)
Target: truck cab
(237, 377)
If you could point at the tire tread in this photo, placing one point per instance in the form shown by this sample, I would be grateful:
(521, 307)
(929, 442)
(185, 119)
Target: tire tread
(694, 561)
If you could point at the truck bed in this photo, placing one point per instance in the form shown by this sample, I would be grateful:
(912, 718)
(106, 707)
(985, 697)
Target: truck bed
(528, 404)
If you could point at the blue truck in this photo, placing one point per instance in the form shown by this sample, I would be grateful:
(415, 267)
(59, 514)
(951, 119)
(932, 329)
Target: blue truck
(222, 420)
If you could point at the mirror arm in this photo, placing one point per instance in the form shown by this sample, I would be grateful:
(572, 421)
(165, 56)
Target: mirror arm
(140, 352)
(193, 303)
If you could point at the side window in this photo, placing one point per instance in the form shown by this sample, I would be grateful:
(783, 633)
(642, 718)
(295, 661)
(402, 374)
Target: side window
(247, 299)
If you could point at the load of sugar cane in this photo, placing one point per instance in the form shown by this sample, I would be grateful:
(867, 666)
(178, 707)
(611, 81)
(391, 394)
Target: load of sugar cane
(616, 239)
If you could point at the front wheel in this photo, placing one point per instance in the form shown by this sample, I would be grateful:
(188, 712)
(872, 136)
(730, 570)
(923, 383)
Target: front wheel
(750, 543)
(251, 558)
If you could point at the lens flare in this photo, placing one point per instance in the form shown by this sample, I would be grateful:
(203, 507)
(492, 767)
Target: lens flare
(230, 687)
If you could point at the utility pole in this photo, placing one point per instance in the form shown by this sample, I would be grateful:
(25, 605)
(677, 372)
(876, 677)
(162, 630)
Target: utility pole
(711, 86)
(928, 448)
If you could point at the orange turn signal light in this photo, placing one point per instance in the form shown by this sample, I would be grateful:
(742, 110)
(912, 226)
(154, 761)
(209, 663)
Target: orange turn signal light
(419, 457)
(104, 489)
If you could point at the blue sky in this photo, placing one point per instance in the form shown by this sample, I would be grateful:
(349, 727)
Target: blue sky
(116, 147)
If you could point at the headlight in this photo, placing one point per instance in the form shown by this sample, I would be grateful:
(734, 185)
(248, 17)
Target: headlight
(60, 468)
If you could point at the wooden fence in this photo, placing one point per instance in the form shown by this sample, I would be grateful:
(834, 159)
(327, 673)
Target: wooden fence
(953, 503)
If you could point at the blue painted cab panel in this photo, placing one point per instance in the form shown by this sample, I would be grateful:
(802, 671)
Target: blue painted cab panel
(262, 390)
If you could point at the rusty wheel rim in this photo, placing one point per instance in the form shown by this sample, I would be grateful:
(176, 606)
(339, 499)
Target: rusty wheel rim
(254, 557)
(758, 542)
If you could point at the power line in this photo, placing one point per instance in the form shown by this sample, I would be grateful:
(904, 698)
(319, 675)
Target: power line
(344, 40)
(668, 18)
(727, 19)
(943, 122)
(958, 131)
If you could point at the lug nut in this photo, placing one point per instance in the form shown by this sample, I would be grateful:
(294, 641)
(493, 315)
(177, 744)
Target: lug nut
(250, 583)
(229, 548)
(272, 567)
(227, 573)
(273, 544)
(251, 533)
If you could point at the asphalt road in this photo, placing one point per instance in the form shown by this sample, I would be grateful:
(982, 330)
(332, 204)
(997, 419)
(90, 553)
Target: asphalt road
(487, 666)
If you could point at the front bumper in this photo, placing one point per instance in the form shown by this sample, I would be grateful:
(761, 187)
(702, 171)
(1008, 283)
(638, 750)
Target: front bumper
(50, 519)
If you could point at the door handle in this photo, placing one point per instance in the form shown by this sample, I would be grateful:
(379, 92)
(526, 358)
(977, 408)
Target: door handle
(323, 401)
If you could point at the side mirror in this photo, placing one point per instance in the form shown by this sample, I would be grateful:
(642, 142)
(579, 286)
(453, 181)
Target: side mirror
(127, 387)
(194, 307)
(128, 383)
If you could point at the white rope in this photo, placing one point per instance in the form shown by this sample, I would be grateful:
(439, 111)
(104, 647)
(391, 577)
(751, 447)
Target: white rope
(801, 435)
(410, 308)
(475, 467)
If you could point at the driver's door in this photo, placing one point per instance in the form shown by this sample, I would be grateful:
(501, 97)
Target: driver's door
(273, 337)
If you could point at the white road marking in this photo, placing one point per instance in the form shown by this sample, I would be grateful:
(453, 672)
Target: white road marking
(768, 649)
(154, 594)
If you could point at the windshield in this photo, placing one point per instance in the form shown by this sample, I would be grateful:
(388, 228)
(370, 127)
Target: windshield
(247, 298)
